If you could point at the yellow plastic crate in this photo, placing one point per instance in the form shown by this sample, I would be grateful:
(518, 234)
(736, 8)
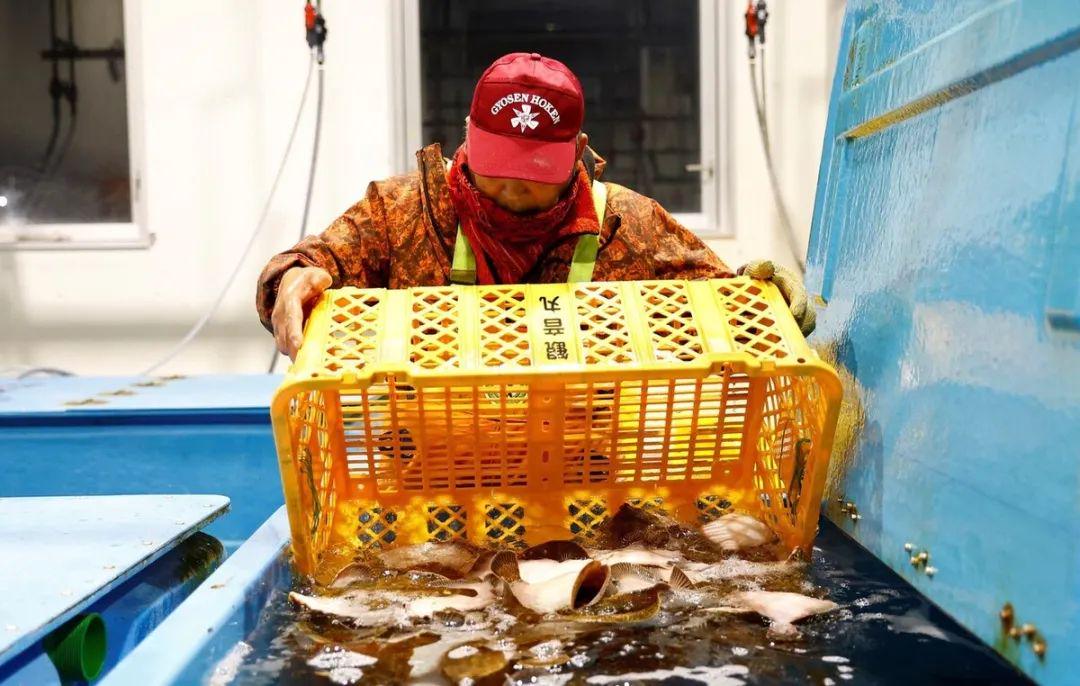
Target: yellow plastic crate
(510, 415)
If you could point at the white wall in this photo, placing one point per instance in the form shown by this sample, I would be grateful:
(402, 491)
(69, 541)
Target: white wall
(800, 57)
(219, 90)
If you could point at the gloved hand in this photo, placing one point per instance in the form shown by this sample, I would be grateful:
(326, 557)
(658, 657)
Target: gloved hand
(791, 287)
(299, 288)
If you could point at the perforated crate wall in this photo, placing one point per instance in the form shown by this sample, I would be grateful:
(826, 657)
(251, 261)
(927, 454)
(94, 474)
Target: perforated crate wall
(509, 415)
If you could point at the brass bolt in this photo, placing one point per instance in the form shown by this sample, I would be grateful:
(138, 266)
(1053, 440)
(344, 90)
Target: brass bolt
(931, 571)
(1028, 630)
(914, 561)
(855, 516)
(923, 557)
(1038, 646)
(909, 547)
(1014, 633)
(1007, 615)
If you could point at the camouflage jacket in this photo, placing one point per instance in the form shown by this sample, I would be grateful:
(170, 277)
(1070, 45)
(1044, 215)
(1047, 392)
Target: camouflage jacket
(401, 235)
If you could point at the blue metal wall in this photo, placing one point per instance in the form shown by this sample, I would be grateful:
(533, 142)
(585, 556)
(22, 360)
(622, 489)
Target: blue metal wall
(946, 243)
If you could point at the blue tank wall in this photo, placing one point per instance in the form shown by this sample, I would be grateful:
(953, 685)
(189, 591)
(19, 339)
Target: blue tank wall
(205, 435)
(946, 248)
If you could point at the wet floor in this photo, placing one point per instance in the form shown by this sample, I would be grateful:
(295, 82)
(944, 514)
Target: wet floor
(884, 633)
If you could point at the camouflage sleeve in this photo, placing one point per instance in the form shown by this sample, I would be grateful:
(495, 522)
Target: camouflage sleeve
(680, 254)
(353, 250)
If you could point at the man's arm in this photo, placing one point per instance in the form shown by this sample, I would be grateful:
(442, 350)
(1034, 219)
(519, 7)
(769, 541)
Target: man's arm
(352, 251)
(680, 254)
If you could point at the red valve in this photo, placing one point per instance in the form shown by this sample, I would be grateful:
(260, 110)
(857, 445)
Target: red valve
(751, 21)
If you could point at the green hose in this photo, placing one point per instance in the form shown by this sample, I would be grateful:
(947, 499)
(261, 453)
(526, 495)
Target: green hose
(77, 648)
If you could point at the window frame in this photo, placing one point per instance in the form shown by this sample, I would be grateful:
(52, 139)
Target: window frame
(132, 235)
(715, 218)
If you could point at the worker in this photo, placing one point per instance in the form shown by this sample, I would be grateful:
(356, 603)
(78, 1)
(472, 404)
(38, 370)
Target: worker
(521, 201)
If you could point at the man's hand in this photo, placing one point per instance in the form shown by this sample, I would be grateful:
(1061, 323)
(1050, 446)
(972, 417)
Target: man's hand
(299, 288)
(791, 288)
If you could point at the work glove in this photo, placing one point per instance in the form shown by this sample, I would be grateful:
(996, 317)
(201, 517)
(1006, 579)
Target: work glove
(298, 290)
(790, 286)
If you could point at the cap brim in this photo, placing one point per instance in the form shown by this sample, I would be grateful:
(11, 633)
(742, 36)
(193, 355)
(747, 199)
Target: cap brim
(514, 157)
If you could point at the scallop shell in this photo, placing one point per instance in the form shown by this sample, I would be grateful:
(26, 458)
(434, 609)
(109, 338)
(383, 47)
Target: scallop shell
(623, 608)
(738, 531)
(449, 559)
(569, 591)
(781, 608)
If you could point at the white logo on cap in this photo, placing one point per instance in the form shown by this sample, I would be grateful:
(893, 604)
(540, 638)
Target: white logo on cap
(526, 113)
(525, 118)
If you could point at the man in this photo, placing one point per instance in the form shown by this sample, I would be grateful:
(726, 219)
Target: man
(520, 202)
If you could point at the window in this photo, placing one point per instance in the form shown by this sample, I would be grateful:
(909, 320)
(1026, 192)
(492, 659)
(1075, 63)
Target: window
(66, 171)
(648, 110)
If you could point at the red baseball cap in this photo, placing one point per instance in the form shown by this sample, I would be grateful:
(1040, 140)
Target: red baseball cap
(526, 113)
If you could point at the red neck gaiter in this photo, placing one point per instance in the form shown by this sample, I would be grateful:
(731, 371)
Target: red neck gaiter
(507, 244)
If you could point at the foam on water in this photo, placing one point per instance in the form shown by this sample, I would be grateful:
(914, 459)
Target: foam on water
(345, 675)
(332, 658)
(725, 675)
(342, 666)
(225, 670)
(547, 649)
(545, 680)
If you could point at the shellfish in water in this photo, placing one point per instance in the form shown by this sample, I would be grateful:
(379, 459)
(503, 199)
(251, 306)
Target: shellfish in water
(625, 608)
(452, 560)
(381, 607)
(781, 608)
(737, 531)
(649, 528)
(638, 556)
(567, 585)
(628, 578)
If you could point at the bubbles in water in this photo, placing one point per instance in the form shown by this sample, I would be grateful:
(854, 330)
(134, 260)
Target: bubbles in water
(547, 650)
(725, 675)
(339, 657)
(506, 645)
(225, 670)
(579, 660)
(462, 651)
(342, 666)
(345, 675)
(872, 599)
